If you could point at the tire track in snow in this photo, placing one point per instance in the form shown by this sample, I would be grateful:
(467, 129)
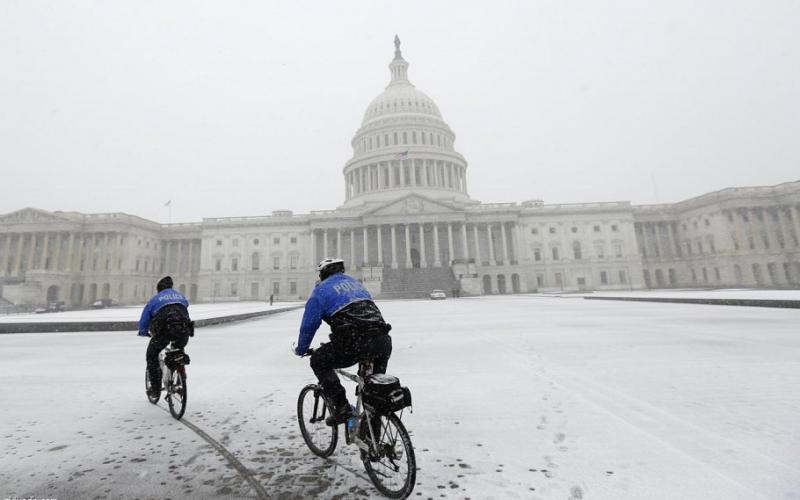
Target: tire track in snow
(261, 493)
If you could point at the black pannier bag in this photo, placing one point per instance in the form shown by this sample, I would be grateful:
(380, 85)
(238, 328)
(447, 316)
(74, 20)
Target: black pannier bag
(174, 359)
(383, 394)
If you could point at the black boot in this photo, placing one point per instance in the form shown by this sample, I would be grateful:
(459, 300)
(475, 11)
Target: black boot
(340, 414)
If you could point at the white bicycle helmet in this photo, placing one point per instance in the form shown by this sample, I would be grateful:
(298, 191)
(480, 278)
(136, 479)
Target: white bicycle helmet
(327, 262)
(328, 267)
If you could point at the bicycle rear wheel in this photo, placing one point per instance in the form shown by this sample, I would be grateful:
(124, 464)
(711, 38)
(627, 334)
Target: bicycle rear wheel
(176, 392)
(312, 408)
(393, 469)
(150, 398)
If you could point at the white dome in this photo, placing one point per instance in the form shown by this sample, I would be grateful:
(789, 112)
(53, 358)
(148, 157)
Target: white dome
(403, 146)
(400, 99)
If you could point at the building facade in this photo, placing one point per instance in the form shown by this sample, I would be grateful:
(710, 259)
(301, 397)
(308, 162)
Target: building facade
(408, 225)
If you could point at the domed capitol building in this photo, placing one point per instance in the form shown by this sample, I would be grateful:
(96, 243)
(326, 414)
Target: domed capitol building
(407, 226)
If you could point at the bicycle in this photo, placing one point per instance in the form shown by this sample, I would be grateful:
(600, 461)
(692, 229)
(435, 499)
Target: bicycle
(173, 363)
(374, 416)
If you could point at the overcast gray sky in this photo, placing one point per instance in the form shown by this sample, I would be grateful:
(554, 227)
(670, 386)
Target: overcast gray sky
(239, 108)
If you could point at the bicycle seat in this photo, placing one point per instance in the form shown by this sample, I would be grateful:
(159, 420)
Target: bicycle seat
(365, 367)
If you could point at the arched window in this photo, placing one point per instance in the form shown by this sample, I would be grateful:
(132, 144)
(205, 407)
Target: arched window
(576, 250)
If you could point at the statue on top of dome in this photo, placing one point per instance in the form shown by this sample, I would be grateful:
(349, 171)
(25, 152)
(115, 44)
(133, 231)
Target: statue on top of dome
(397, 53)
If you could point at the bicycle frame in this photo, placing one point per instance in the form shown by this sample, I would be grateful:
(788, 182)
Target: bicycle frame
(366, 368)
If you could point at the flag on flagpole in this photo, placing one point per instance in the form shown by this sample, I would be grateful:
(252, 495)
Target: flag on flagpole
(168, 203)
(402, 155)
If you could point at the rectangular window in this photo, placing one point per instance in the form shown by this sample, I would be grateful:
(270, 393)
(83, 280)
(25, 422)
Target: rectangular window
(552, 230)
(236, 242)
(276, 241)
(293, 262)
(716, 274)
(537, 254)
(596, 229)
(539, 280)
(217, 287)
(276, 262)
(219, 243)
(276, 287)
(622, 277)
(218, 265)
(614, 228)
(603, 278)
(234, 288)
(293, 287)
(234, 264)
(555, 253)
(618, 249)
(534, 230)
(293, 240)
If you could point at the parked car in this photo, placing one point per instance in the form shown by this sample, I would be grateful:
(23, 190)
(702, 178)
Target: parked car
(56, 306)
(438, 295)
(102, 303)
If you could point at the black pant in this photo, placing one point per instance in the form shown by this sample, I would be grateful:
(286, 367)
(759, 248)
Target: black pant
(177, 334)
(346, 350)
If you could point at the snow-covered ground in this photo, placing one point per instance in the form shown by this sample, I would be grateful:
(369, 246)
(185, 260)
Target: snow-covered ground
(733, 293)
(132, 313)
(515, 397)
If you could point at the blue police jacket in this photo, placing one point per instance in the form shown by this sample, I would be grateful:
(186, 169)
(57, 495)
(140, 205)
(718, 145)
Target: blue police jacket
(163, 298)
(328, 297)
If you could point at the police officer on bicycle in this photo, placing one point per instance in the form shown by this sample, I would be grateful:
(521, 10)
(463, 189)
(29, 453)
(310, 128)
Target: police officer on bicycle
(358, 332)
(166, 315)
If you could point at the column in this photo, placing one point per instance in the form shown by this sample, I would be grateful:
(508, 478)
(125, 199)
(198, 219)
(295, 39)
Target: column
(381, 176)
(422, 261)
(190, 267)
(643, 227)
(675, 240)
(18, 256)
(353, 261)
(6, 254)
(313, 251)
(437, 261)
(408, 248)
(505, 244)
(339, 252)
(325, 243)
(70, 264)
(365, 234)
(179, 260)
(107, 253)
(477, 245)
(45, 248)
(464, 246)
(380, 244)
(394, 248)
(450, 243)
(785, 226)
(796, 220)
(57, 256)
(492, 260)
(32, 252)
(413, 168)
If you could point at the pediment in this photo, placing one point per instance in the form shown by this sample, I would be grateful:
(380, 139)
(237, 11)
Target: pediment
(412, 204)
(31, 215)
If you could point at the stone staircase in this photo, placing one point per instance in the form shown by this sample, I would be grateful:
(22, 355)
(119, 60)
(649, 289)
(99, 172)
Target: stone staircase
(416, 283)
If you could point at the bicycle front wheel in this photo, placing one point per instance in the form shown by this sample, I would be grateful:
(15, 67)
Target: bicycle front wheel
(312, 408)
(391, 465)
(176, 392)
